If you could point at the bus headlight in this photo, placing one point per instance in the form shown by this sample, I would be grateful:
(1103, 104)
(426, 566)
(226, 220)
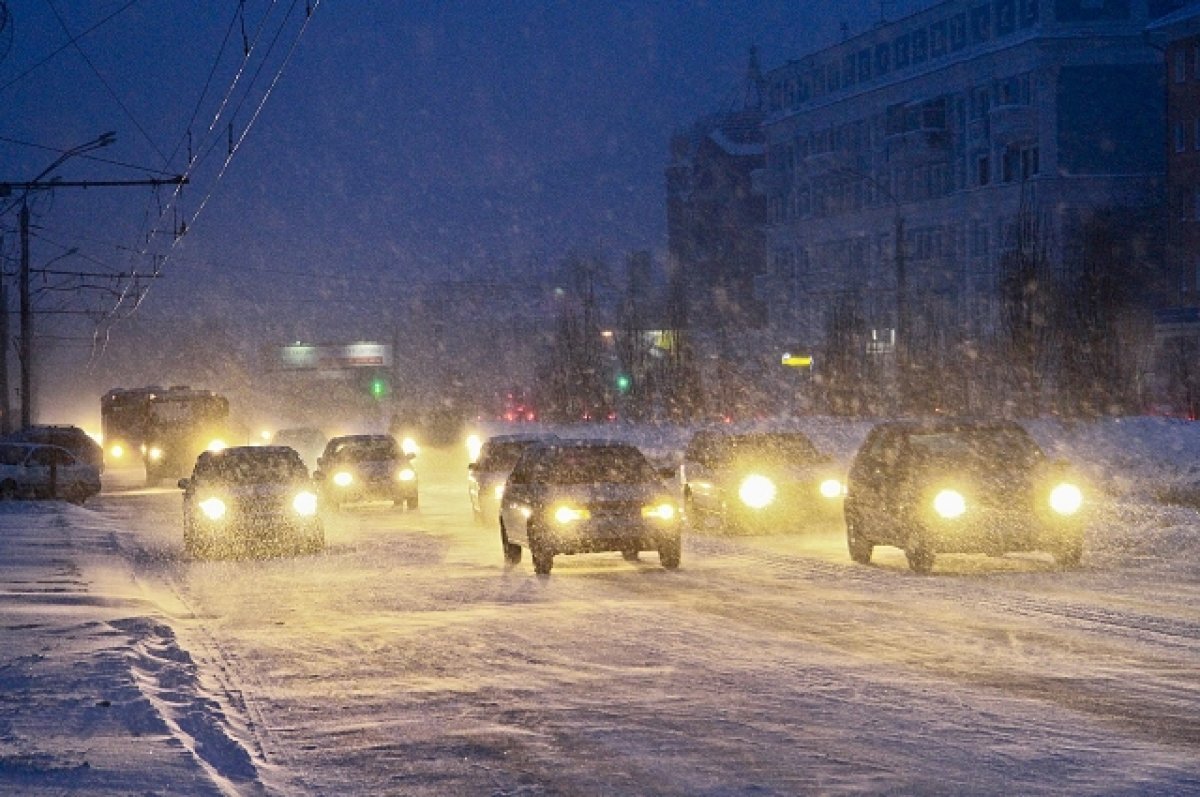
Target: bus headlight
(663, 511)
(1066, 498)
(155, 454)
(217, 444)
(305, 504)
(213, 508)
(757, 492)
(343, 478)
(949, 504)
(832, 488)
(410, 447)
(117, 451)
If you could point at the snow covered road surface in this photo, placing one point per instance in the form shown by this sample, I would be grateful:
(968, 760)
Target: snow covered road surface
(407, 659)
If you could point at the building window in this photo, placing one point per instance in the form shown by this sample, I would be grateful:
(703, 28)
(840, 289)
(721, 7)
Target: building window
(1196, 205)
(1180, 65)
(1180, 137)
(982, 170)
(1196, 132)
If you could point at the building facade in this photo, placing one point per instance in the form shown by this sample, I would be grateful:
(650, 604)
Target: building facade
(905, 163)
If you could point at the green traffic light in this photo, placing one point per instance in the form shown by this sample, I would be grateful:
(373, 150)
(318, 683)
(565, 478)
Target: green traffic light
(624, 383)
(378, 388)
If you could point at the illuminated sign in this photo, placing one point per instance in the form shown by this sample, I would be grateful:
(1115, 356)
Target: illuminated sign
(304, 357)
(796, 360)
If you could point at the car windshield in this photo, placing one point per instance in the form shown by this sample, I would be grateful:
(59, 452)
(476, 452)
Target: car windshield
(978, 449)
(781, 448)
(266, 467)
(610, 465)
(502, 455)
(372, 450)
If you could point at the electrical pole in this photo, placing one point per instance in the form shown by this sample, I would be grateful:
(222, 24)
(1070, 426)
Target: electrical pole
(5, 405)
(25, 348)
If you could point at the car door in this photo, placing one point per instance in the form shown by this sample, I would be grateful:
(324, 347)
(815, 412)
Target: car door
(517, 506)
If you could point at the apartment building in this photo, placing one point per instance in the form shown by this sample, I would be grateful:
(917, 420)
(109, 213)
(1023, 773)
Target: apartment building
(918, 152)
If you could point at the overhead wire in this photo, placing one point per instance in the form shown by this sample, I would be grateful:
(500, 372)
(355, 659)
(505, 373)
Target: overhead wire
(71, 41)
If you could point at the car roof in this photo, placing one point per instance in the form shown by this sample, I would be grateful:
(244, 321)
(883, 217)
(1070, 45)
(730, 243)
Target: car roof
(353, 438)
(964, 424)
(522, 438)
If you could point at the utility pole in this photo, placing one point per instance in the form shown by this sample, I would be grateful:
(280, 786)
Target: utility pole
(5, 406)
(25, 348)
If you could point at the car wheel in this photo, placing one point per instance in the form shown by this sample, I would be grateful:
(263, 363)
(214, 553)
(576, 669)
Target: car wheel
(541, 553)
(512, 551)
(411, 503)
(920, 554)
(669, 552)
(860, 547)
(630, 554)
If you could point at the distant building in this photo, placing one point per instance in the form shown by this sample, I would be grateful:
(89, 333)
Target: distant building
(1177, 328)
(915, 149)
(716, 251)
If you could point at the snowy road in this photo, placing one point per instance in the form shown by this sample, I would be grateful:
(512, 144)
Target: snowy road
(407, 659)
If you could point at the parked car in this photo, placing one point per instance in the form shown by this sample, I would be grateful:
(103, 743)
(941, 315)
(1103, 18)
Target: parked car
(250, 498)
(31, 470)
(487, 474)
(583, 496)
(957, 486)
(72, 438)
(308, 442)
(759, 480)
(367, 467)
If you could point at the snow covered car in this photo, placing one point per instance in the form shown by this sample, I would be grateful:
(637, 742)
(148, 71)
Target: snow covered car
(487, 474)
(72, 438)
(250, 498)
(367, 467)
(960, 486)
(30, 470)
(584, 496)
(759, 480)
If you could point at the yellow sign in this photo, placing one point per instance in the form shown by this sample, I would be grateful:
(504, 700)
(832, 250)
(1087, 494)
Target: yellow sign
(797, 360)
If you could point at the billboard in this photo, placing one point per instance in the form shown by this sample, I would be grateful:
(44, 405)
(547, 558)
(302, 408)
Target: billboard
(333, 357)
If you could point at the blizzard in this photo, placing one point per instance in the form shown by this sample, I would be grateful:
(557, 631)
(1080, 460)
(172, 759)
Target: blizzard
(407, 659)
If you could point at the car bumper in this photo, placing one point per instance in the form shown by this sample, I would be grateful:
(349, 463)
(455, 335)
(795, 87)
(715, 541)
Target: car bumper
(998, 531)
(605, 534)
(390, 490)
(255, 532)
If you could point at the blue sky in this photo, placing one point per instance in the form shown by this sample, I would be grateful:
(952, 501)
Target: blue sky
(402, 141)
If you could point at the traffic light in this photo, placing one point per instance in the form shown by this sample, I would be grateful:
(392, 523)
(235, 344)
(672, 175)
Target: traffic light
(624, 382)
(378, 385)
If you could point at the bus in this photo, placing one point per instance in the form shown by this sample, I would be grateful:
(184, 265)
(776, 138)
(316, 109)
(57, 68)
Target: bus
(166, 428)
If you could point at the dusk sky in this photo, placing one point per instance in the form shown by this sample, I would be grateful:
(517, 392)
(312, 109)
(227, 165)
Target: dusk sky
(402, 141)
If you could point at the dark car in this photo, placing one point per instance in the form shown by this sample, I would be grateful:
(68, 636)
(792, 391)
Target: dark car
(250, 498)
(487, 474)
(759, 480)
(960, 486)
(583, 496)
(72, 438)
(367, 467)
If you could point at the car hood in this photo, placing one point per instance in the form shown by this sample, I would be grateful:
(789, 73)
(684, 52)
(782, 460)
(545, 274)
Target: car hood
(604, 493)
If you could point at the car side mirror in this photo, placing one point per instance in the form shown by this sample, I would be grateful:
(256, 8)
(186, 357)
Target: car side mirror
(185, 484)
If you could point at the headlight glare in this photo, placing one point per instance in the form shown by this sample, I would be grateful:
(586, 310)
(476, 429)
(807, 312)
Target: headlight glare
(1066, 499)
(410, 447)
(663, 511)
(498, 492)
(213, 508)
(406, 474)
(155, 454)
(757, 492)
(832, 488)
(117, 451)
(949, 504)
(216, 444)
(571, 514)
(343, 478)
(305, 504)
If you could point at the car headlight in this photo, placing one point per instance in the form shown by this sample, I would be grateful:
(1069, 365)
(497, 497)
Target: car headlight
(757, 492)
(832, 488)
(216, 444)
(1066, 499)
(498, 492)
(410, 447)
(474, 446)
(117, 451)
(305, 504)
(406, 474)
(213, 508)
(343, 478)
(949, 504)
(155, 454)
(662, 511)
(571, 514)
